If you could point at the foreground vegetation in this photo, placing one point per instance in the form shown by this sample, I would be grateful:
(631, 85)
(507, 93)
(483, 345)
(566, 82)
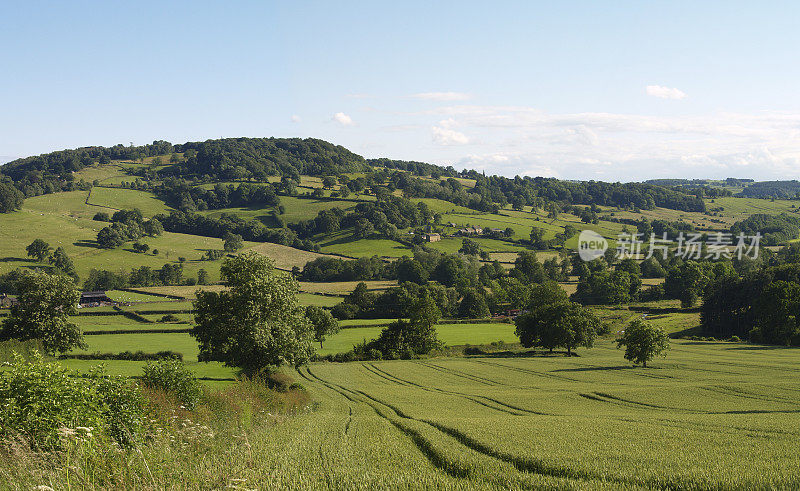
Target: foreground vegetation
(713, 415)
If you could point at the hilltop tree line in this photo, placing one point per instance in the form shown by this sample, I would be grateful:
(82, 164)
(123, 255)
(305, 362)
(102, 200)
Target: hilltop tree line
(258, 158)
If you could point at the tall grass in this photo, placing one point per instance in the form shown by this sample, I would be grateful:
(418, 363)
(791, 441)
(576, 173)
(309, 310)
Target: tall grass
(182, 449)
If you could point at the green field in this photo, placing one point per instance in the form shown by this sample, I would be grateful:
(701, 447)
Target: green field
(343, 243)
(127, 199)
(441, 206)
(712, 415)
(64, 219)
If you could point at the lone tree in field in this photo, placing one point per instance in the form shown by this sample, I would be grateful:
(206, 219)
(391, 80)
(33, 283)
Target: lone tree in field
(45, 303)
(643, 342)
(257, 324)
(324, 323)
(39, 250)
(232, 242)
(559, 325)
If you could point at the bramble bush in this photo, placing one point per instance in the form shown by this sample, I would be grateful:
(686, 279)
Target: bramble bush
(43, 402)
(173, 377)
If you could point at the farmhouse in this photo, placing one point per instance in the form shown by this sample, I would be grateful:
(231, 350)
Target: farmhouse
(433, 237)
(471, 231)
(94, 299)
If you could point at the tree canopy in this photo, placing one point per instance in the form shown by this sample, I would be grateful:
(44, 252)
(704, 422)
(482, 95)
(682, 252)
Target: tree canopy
(45, 302)
(257, 324)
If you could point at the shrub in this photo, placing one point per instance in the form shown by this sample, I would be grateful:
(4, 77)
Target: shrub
(173, 377)
(279, 381)
(169, 318)
(735, 339)
(44, 402)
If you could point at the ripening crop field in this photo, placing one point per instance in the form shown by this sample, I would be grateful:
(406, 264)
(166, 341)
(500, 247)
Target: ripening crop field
(711, 415)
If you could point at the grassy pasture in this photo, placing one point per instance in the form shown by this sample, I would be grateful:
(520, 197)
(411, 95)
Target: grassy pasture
(343, 243)
(127, 199)
(284, 257)
(442, 206)
(298, 209)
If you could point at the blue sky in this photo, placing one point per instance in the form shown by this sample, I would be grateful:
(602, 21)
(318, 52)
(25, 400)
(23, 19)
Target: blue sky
(577, 90)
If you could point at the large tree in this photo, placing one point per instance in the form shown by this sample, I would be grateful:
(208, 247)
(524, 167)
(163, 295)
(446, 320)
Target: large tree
(39, 250)
(560, 325)
(643, 342)
(232, 242)
(10, 198)
(257, 324)
(45, 303)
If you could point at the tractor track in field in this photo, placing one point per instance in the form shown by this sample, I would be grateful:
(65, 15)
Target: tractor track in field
(435, 457)
(730, 391)
(349, 407)
(461, 374)
(506, 408)
(527, 370)
(386, 377)
(456, 469)
(712, 428)
(620, 401)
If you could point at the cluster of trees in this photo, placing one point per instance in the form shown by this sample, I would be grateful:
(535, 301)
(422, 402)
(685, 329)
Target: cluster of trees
(395, 302)
(415, 168)
(610, 282)
(406, 338)
(774, 229)
(762, 305)
(459, 285)
(253, 230)
(772, 189)
(10, 198)
(53, 172)
(168, 275)
(336, 269)
(243, 158)
(384, 216)
(182, 195)
(489, 192)
(127, 225)
(58, 259)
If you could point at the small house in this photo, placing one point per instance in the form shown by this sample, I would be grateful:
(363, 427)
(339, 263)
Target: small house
(432, 237)
(95, 299)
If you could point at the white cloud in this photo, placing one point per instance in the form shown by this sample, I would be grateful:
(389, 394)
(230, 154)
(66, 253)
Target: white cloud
(442, 96)
(614, 146)
(444, 134)
(296, 118)
(665, 92)
(343, 119)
